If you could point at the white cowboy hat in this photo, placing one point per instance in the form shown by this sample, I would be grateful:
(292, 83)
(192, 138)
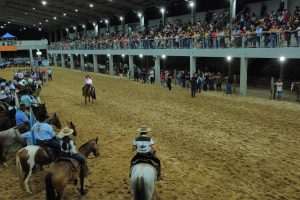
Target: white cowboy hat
(144, 129)
(65, 132)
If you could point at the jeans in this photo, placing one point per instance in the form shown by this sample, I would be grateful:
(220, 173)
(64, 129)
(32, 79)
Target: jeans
(76, 156)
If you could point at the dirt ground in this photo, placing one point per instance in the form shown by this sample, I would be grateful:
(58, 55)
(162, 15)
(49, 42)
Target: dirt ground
(210, 147)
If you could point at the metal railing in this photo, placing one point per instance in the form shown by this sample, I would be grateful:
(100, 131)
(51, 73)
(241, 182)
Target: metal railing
(257, 40)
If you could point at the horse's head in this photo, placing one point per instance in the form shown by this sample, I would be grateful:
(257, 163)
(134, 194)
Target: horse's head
(56, 121)
(89, 147)
(72, 126)
(95, 147)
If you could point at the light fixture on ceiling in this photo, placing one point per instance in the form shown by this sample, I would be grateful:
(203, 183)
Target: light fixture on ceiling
(106, 21)
(76, 10)
(64, 14)
(40, 23)
(55, 18)
(40, 29)
(140, 14)
(46, 20)
(1, 26)
(24, 28)
(26, 13)
(121, 18)
(91, 5)
(162, 10)
(33, 8)
(44, 3)
(8, 22)
(83, 26)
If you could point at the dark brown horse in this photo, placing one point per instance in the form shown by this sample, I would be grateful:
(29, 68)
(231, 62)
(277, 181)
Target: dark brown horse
(57, 180)
(88, 92)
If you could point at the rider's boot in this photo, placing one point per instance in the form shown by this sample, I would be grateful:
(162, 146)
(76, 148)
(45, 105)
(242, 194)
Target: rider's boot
(85, 170)
(159, 176)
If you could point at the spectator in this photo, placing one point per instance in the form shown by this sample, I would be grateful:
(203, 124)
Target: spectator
(279, 86)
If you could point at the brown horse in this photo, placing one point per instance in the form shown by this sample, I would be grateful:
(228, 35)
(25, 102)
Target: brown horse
(62, 173)
(11, 136)
(88, 92)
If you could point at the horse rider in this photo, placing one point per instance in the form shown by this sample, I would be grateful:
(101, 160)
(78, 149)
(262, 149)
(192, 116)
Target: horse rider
(88, 83)
(22, 115)
(144, 146)
(68, 149)
(25, 98)
(43, 133)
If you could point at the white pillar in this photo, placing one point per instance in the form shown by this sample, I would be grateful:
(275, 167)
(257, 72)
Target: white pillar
(232, 9)
(157, 69)
(142, 23)
(286, 5)
(243, 76)
(95, 61)
(48, 57)
(55, 36)
(31, 56)
(111, 65)
(192, 65)
(82, 61)
(63, 65)
(131, 66)
(55, 60)
(72, 61)
(193, 14)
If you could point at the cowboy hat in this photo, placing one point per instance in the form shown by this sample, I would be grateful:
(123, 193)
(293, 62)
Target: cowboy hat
(144, 129)
(65, 132)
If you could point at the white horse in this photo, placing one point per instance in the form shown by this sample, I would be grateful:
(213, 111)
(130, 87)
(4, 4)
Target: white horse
(143, 178)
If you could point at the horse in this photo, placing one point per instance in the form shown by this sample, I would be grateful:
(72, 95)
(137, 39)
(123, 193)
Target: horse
(296, 88)
(57, 180)
(28, 157)
(143, 178)
(11, 136)
(88, 92)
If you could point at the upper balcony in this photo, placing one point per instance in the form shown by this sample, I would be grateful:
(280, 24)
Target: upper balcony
(25, 44)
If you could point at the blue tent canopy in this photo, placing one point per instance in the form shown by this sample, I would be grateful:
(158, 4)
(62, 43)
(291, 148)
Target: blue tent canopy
(8, 36)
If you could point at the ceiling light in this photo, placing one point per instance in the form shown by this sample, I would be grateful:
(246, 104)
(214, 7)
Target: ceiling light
(46, 20)
(64, 14)
(8, 22)
(2, 26)
(76, 10)
(83, 26)
(140, 14)
(24, 28)
(54, 18)
(229, 58)
(26, 13)
(40, 23)
(94, 24)
(162, 10)
(121, 18)
(123, 55)
(106, 21)
(44, 3)
(40, 29)
(34, 25)
(91, 5)
(67, 29)
(141, 55)
(74, 27)
(191, 4)
(33, 8)
(163, 56)
(282, 58)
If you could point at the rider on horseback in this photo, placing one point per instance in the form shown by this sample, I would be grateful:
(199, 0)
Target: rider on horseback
(144, 146)
(22, 115)
(88, 83)
(68, 149)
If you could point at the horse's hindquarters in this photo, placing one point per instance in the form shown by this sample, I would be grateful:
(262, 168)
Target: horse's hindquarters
(143, 178)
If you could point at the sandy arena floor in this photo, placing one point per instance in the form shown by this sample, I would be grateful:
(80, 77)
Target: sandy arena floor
(210, 147)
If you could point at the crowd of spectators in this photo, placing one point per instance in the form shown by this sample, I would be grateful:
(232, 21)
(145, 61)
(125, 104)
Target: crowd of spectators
(247, 30)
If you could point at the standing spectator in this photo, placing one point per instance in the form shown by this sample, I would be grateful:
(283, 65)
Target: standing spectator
(199, 82)
(193, 85)
(49, 74)
(218, 79)
(169, 81)
(151, 75)
(279, 85)
(229, 85)
(136, 74)
(162, 79)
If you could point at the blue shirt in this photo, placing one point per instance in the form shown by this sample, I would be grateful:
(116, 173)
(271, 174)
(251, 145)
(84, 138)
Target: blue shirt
(21, 117)
(25, 99)
(43, 131)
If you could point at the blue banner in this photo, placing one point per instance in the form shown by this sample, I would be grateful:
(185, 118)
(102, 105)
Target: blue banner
(32, 120)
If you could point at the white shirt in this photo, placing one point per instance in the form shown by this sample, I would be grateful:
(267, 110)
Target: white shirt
(143, 144)
(151, 74)
(70, 147)
(88, 81)
(279, 86)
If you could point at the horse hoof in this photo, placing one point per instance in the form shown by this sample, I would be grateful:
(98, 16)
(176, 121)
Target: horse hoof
(82, 192)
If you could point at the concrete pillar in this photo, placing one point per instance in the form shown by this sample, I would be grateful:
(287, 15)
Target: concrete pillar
(192, 65)
(95, 61)
(55, 60)
(61, 35)
(193, 14)
(82, 61)
(232, 9)
(50, 37)
(131, 66)
(55, 36)
(111, 65)
(142, 21)
(63, 65)
(48, 57)
(286, 5)
(157, 69)
(243, 76)
(31, 56)
(72, 61)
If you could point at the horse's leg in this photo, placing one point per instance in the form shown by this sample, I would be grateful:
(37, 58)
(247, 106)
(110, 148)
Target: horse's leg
(82, 192)
(85, 100)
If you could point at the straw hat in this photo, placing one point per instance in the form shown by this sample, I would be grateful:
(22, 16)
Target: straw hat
(65, 132)
(144, 129)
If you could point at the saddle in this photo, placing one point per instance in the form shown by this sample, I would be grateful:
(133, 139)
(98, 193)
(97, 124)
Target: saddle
(72, 163)
(145, 161)
(49, 151)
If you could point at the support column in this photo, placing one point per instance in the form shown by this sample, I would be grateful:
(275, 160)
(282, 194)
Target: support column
(286, 5)
(157, 69)
(55, 60)
(142, 21)
(61, 35)
(193, 13)
(95, 61)
(131, 66)
(192, 65)
(243, 76)
(82, 62)
(50, 37)
(232, 9)
(63, 65)
(111, 65)
(55, 36)
(48, 57)
(72, 61)
(0, 55)
(31, 56)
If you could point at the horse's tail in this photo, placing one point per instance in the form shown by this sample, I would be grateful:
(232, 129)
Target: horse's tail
(21, 169)
(50, 193)
(140, 189)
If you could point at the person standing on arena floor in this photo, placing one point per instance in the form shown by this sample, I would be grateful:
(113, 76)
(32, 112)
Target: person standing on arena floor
(162, 79)
(193, 85)
(49, 74)
(169, 81)
(151, 76)
(279, 85)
